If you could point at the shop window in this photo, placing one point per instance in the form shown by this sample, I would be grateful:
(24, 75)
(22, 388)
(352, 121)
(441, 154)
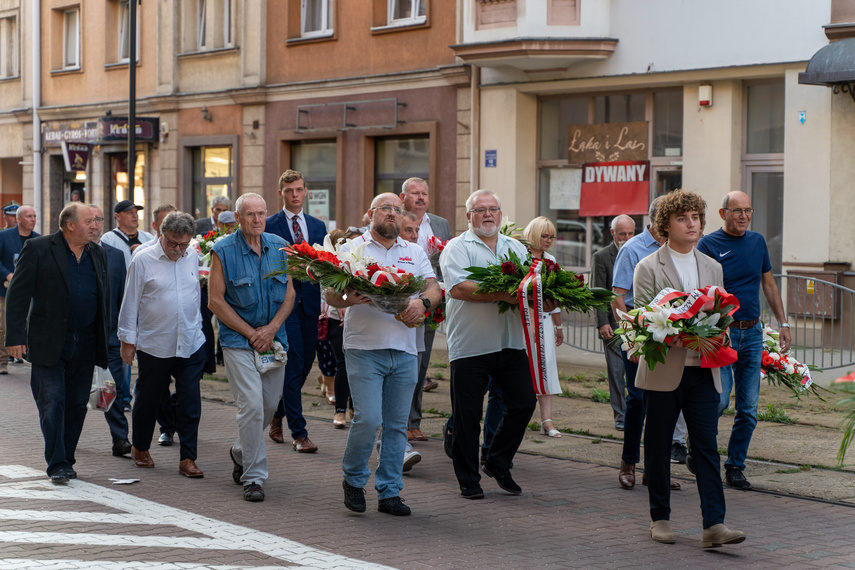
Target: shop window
(619, 108)
(8, 47)
(71, 38)
(316, 18)
(668, 123)
(407, 12)
(125, 188)
(316, 161)
(555, 116)
(399, 158)
(765, 119)
(213, 173)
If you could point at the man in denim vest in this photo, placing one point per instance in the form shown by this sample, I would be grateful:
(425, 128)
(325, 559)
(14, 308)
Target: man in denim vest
(251, 310)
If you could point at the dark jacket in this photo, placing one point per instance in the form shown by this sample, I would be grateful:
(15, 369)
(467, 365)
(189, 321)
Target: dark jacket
(116, 273)
(10, 244)
(37, 303)
(602, 266)
(309, 294)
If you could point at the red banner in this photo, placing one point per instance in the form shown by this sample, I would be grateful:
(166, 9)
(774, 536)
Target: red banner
(612, 188)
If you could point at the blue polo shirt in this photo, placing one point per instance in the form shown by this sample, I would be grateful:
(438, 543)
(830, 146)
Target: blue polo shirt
(744, 259)
(634, 250)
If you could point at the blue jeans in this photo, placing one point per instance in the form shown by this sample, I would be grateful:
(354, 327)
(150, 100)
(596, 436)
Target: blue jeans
(381, 386)
(61, 393)
(744, 375)
(636, 410)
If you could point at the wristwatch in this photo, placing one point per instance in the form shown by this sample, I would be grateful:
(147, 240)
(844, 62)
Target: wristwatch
(426, 302)
(782, 325)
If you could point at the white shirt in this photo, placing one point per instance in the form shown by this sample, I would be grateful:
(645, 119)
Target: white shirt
(110, 238)
(474, 329)
(425, 231)
(160, 312)
(369, 328)
(687, 269)
(301, 219)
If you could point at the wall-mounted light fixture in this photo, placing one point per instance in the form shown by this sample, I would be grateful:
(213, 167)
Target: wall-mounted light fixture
(207, 114)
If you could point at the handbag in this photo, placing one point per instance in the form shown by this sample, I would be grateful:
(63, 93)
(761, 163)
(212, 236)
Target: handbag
(323, 328)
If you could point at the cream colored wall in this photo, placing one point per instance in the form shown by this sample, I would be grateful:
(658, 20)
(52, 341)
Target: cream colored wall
(841, 183)
(807, 174)
(712, 142)
(509, 126)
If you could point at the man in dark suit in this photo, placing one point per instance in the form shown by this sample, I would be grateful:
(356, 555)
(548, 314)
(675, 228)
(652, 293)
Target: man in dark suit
(294, 225)
(416, 196)
(602, 265)
(58, 318)
(116, 274)
(11, 242)
(218, 205)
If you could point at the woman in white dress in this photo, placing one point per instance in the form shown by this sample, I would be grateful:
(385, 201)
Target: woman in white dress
(540, 235)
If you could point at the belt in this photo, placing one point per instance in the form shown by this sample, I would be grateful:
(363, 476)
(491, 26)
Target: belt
(743, 324)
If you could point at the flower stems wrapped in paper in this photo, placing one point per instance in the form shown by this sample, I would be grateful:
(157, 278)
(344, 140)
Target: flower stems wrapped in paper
(345, 267)
(778, 368)
(699, 319)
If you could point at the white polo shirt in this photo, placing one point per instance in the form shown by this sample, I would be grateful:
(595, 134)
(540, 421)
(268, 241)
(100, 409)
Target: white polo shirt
(474, 329)
(369, 328)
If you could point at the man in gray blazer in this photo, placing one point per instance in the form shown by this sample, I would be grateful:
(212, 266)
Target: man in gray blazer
(416, 197)
(602, 264)
(218, 205)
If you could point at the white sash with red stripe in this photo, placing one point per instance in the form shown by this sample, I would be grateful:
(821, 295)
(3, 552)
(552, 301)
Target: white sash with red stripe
(539, 346)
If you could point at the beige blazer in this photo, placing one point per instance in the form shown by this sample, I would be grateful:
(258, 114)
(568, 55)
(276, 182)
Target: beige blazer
(654, 273)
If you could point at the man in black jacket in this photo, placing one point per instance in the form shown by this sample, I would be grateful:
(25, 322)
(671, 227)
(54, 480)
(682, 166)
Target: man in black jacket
(57, 317)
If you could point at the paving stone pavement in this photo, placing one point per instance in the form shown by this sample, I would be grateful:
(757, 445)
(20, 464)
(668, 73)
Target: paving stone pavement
(570, 515)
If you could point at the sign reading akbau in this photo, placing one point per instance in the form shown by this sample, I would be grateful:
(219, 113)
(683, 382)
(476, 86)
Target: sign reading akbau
(607, 142)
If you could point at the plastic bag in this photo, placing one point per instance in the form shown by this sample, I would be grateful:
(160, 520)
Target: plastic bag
(103, 392)
(273, 358)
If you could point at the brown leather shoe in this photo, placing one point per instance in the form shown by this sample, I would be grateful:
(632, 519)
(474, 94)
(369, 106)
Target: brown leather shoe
(304, 445)
(276, 430)
(141, 458)
(673, 485)
(626, 477)
(188, 468)
(410, 435)
(417, 434)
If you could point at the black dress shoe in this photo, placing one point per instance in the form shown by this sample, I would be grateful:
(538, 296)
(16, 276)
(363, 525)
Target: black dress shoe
(59, 478)
(121, 447)
(504, 480)
(165, 439)
(71, 473)
(473, 492)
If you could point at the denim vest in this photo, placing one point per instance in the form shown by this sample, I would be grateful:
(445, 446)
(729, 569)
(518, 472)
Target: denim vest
(253, 296)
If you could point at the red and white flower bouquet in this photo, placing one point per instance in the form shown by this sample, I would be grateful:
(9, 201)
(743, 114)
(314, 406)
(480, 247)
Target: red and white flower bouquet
(783, 370)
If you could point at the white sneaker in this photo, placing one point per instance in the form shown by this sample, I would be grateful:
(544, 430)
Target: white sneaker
(410, 459)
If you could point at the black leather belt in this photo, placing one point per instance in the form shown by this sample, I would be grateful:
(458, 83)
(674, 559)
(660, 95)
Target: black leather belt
(743, 324)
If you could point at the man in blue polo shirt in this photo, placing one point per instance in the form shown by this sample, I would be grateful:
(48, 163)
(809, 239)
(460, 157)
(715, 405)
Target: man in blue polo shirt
(744, 258)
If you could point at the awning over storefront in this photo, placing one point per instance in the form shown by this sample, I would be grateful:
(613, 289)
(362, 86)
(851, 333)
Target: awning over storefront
(832, 66)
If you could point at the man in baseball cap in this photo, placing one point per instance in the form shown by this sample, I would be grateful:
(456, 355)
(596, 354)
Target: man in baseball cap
(126, 236)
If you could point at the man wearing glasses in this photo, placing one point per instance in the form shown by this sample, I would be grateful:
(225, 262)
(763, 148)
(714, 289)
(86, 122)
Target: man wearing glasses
(163, 280)
(744, 258)
(294, 225)
(484, 345)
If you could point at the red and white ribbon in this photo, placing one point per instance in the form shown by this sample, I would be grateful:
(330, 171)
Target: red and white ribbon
(532, 322)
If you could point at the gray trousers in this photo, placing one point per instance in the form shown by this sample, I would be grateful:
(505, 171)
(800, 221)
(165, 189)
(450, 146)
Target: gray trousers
(257, 397)
(614, 364)
(415, 420)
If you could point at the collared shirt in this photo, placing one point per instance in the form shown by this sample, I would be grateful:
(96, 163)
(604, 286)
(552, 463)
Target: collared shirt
(369, 328)
(634, 250)
(474, 329)
(425, 231)
(118, 239)
(301, 219)
(160, 312)
(83, 299)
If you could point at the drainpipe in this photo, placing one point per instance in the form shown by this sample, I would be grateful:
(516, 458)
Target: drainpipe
(475, 130)
(37, 123)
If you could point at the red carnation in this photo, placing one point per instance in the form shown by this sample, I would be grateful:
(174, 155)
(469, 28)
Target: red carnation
(766, 360)
(580, 279)
(509, 268)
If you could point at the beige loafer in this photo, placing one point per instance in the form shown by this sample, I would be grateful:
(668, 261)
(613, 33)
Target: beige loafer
(718, 535)
(660, 531)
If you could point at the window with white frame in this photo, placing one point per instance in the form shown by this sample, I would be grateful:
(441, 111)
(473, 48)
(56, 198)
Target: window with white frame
(228, 39)
(124, 22)
(407, 12)
(8, 47)
(71, 38)
(316, 18)
(201, 27)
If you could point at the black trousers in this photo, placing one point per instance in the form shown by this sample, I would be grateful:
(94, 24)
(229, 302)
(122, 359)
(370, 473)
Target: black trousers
(510, 371)
(698, 399)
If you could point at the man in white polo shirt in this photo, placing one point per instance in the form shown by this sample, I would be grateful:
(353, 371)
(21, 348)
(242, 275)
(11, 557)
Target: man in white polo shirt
(382, 363)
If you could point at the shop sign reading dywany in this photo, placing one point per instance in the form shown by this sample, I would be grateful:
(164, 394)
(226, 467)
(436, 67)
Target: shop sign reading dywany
(615, 169)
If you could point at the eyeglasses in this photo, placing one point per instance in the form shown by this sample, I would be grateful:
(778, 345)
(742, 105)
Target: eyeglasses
(175, 244)
(98, 220)
(389, 210)
(740, 211)
(547, 236)
(482, 211)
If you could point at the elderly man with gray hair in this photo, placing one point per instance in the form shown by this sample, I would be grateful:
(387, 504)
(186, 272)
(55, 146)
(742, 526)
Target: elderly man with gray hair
(161, 324)
(219, 204)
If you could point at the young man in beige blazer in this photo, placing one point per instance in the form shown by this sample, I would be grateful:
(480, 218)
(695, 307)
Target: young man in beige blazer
(680, 384)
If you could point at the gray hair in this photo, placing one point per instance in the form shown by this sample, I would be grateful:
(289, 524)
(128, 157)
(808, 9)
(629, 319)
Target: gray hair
(410, 216)
(221, 200)
(161, 209)
(69, 214)
(405, 187)
(470, 201)
(19, 213)
(179, 224)
(242, 198)
(654, 207)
